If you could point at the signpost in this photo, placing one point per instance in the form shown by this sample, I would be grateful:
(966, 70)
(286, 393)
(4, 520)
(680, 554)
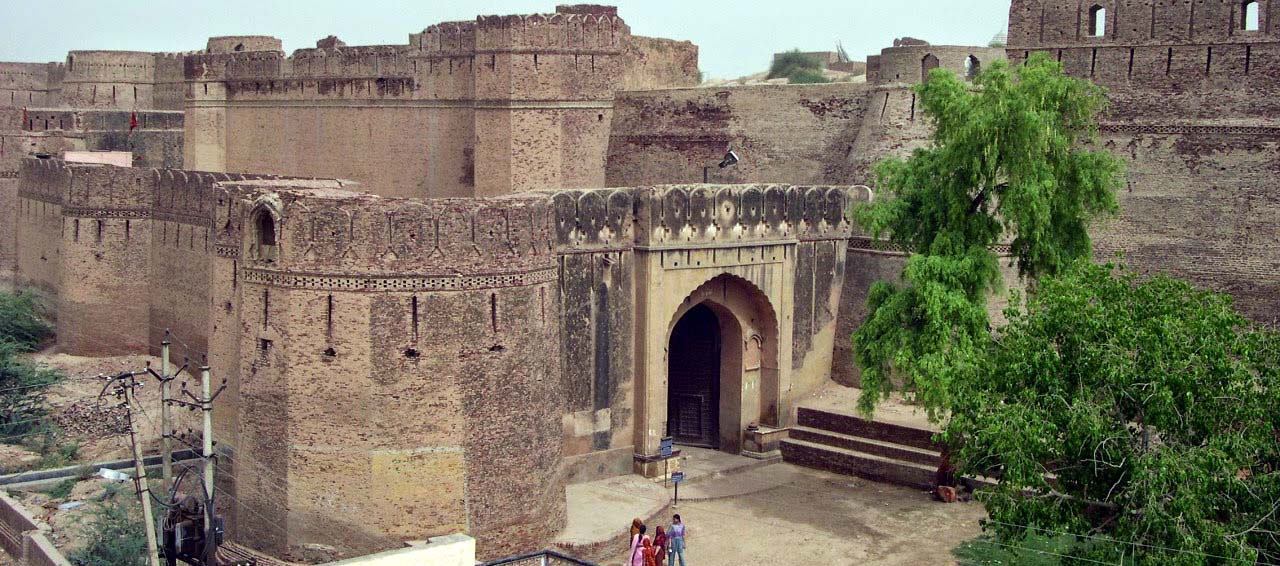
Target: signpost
(676, 478)
(665, 449)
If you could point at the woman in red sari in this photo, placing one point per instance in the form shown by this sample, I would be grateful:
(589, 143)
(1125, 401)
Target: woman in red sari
(660, 545)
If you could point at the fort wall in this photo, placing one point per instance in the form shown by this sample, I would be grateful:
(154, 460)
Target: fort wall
(30, 84)
(1193, 117)
(783, 133)
(387, 339)
(493, 106)
(133, 244)
(431, 318)
(910, 63)
(156, 141)
(652, 63)
(9, 218)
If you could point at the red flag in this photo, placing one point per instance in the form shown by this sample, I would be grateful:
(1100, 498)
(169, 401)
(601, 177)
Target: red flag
(133, 121)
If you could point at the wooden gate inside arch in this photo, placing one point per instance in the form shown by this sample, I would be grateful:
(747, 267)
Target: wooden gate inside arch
(693, 379)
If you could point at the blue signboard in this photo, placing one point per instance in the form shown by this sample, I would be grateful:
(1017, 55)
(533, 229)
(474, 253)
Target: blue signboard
(665, 448)
(677, 477)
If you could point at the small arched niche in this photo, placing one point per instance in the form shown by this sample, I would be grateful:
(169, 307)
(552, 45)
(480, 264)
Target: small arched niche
(265, 237)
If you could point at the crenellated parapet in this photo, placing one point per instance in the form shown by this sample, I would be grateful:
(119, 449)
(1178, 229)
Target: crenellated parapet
(44, 180)
(338, 239)
(448, 39)
(104, 191)
(560, 32)
(1195, 61)
(242, 43)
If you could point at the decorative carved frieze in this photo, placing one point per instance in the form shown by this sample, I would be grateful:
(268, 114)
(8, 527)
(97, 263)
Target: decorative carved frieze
(350, 282)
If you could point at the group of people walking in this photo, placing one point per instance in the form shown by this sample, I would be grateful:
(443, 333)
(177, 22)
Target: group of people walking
(665, 545)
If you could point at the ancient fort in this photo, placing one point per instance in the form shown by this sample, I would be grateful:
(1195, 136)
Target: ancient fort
(501, 258)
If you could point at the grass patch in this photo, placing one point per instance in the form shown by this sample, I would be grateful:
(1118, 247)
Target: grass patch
(62, 489)
(1031, 551)
(114, 533)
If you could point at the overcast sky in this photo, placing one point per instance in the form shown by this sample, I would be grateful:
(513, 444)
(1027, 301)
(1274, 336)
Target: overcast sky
(736, 38)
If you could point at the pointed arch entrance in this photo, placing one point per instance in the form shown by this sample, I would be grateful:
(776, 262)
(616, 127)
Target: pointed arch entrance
(693, 379)
(722, 370)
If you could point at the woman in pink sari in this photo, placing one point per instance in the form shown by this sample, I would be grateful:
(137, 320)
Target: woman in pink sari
(638, 542)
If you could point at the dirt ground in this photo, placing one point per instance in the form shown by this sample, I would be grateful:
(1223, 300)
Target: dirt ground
(96, 425)
(815, 517)
(69, 524)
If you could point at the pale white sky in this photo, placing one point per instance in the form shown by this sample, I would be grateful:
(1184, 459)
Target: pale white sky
(736, 38)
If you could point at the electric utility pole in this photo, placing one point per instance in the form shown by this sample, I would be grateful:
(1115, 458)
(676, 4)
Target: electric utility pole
(123, 386)
(204, 403)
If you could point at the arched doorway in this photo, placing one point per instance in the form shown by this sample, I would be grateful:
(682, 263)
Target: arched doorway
(722, 367)
(693, 379)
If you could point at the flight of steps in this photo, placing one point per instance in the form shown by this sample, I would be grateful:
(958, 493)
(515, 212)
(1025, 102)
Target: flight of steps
(849, 445)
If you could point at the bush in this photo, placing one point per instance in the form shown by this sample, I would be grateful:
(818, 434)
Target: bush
(788, 64)
(806, 76)
(23, 320)
(115, 536)
(23, 413)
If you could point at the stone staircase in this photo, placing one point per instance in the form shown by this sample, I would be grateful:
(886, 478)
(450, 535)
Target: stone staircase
(846, 444)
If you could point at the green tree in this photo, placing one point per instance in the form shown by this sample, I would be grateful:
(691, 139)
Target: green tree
(1008, 162)
(1115, 408)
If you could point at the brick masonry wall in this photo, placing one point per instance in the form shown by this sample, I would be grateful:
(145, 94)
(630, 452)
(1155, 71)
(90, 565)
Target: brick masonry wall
(652, 63)
(9, 220)
(426, 367)
(30, 84)
(493, 106)
(783, 133)
(1191, 116)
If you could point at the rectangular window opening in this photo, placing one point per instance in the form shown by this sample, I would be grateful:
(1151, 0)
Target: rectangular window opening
(414, 308)
(493, 311)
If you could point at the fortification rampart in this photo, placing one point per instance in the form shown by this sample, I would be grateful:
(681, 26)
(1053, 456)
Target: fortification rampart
(496, 105)
(911, 63)
(144, 234)
(154, 137)
(1053, 23)
(652, 62)
(1193, 113)
(239, 43)
(30, 84)
(782, 133)
(428, 334)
